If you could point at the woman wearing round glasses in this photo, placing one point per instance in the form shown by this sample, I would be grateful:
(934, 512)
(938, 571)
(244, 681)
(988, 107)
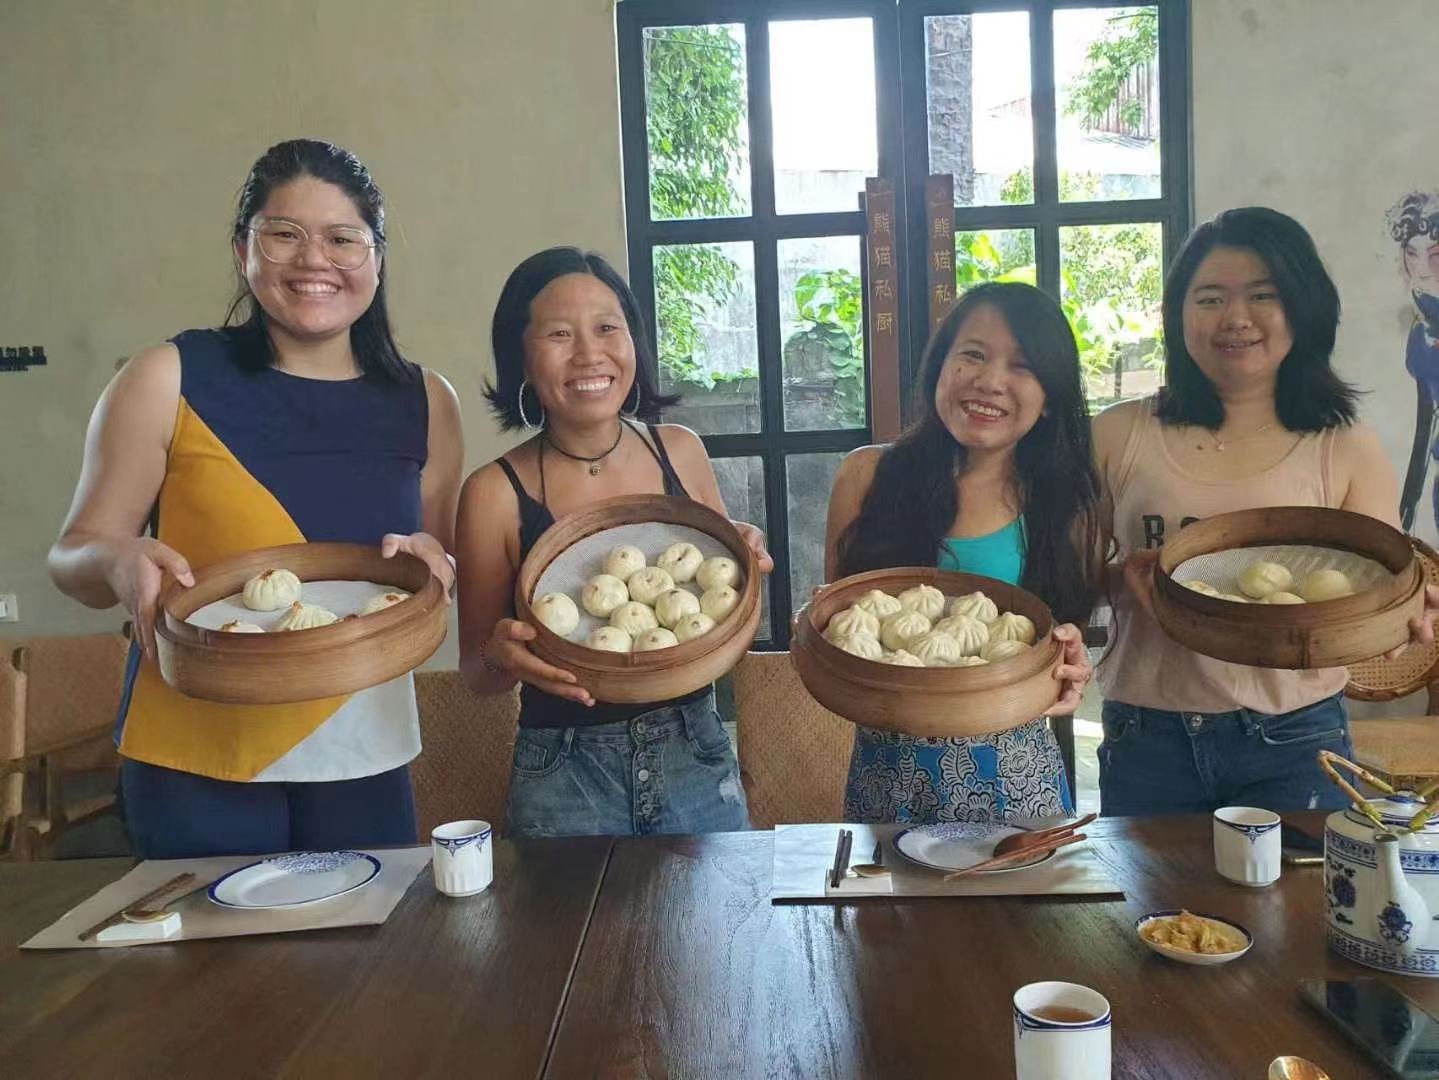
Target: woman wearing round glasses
(298, 421)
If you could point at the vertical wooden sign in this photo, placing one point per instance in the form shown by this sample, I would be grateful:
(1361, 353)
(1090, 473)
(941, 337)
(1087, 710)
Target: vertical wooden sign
(883, 304)
(939, 263)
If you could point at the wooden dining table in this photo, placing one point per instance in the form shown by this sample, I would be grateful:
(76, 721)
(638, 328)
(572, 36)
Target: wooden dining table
(665, 957)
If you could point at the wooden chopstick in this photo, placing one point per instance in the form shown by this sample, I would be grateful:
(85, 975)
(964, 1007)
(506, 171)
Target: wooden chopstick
(150, 897)
(1021, 855)
(1059, 830)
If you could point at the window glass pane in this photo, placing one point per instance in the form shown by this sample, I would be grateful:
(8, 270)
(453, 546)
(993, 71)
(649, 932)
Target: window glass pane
(741, 484)
(821, 312)
(708, 348)
(993, 255)
(1111, 280)
(821, 79)
(977, 94)
(697, 121)
(1106, 76)
(809, 478)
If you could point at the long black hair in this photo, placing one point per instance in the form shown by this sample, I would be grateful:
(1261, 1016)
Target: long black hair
(512, 318)
(1308, 394)
(912, 501)
(371, 339)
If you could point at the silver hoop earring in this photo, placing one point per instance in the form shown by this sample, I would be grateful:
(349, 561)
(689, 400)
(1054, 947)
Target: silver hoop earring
(634, 413)
(520, 402)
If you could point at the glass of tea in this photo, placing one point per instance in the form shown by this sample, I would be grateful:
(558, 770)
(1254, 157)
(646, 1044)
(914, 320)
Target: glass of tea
(1061, 1032)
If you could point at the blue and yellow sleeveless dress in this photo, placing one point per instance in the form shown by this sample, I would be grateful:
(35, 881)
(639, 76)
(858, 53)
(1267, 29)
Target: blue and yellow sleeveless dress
(1013, 774)
(261, 458)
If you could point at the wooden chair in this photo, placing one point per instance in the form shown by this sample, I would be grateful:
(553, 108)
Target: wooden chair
(68, 767)
(469, 741)
(12, 745)
(793, 752)
(1403, 751)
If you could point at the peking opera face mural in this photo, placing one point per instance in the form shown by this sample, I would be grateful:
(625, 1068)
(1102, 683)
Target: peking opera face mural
(1414, 226)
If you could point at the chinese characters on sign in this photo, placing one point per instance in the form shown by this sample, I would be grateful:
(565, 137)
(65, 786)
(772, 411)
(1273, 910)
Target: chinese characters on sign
(883, 304)
(939, 212)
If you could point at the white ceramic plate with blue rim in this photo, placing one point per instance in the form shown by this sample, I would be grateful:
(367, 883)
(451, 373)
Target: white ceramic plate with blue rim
(958, 845)
(286, 881)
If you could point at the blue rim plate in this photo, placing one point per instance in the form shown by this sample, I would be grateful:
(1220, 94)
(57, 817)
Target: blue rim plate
(1185, 957)
(295, 880)
(958, 845)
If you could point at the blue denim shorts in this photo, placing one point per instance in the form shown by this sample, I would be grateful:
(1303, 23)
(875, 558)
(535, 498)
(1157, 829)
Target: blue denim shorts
(671, 770)
(1158, 762)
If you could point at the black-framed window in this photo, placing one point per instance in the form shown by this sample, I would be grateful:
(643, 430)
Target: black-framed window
(746, 241)
(1063, 122)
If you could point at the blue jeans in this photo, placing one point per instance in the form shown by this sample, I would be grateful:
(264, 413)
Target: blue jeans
(1157, 762)
(179, 815)
(671, 770)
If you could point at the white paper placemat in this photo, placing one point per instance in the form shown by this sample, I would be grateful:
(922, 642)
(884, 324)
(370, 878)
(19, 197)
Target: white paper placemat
(570, 572)
(368, 906)
(1222, 568)
(803, 855)
(341, 597)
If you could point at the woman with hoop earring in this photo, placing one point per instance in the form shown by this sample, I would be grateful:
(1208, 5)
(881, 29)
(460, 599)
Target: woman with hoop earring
(573, 366)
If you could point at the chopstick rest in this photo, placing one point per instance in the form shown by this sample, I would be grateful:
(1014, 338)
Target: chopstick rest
(852, 884)
(149, 930)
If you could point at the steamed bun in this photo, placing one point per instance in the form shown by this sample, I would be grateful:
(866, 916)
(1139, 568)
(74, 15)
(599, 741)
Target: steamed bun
(1011, 626)
(305, 617)
(976, 604)
(609, 639)
(623, 561)
(935, 649)
(271, 590)
(682, 561)
(1325, 585)
(1259, 579)
(557, 613)
(633, 618)
(899, 630)
(879, 604)
(674, 605)
(649, 583)
(602, 594)
(925, 599)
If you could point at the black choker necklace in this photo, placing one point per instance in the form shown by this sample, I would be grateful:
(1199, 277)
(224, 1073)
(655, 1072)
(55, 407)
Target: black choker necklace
(595, 463)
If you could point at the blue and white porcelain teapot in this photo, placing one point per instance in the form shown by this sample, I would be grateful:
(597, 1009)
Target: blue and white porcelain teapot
(1381, 877)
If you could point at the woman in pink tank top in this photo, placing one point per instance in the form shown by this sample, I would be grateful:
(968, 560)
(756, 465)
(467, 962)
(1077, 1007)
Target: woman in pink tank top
(1252, 414)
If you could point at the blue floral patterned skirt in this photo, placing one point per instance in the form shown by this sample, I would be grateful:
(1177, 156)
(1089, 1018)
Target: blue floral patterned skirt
(905, 778)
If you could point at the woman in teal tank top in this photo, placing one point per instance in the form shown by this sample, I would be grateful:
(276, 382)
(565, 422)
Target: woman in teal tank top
(995, 478)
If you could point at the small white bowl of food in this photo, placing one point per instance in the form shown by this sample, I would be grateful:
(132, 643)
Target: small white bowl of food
(1192, 938)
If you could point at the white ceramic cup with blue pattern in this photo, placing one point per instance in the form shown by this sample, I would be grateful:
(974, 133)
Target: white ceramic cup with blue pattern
(462, 853)
(1061, 1032)
(1246, 845)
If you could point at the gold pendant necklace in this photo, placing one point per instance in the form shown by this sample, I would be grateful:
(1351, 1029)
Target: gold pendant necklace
(1220, 444)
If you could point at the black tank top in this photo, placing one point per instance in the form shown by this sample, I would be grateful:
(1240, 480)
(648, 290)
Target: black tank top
(537, 708)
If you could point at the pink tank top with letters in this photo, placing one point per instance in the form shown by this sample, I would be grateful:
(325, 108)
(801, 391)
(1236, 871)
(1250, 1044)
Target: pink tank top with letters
(1154, 498)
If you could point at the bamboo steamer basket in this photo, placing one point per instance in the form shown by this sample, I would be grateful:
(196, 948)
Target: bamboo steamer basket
(660, 674)
(299, 665)
(939, 702)
(1331, 633)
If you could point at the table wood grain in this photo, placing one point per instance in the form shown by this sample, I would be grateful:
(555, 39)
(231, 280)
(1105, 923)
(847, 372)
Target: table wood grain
(447, 987)
(688, 970)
